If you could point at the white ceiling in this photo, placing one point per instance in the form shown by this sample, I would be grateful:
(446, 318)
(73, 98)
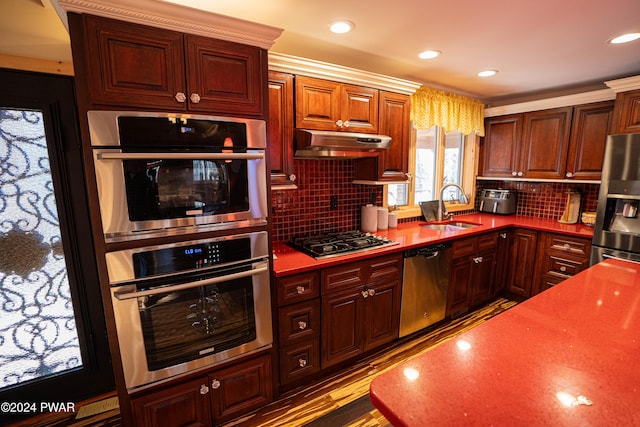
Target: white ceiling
(539, 47)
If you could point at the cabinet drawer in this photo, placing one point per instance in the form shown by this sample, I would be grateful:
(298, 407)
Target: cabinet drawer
(567, 244)
(299, 321)
(300, 287)
(564, 266)
(488, 241)
(360, 273)
(299, 360)
(464, 247)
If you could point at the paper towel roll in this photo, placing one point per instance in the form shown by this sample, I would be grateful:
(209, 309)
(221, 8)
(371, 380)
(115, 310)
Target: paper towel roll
(369, 218)
(383, 218)
(393, 220)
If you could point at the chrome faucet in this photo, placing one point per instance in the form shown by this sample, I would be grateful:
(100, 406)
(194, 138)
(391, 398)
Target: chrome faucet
(442, 209)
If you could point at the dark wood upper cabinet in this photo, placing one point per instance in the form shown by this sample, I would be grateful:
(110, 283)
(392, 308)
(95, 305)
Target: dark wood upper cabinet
(137, 66)
(391, 164)
(559, 143)
(327, 105)
(545, 143)
(224, 77)
(280, 135)
(591, 125)
(501, 146)
(627, 112)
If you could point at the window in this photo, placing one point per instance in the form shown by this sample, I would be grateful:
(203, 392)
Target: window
(52, 326)
(436, 158)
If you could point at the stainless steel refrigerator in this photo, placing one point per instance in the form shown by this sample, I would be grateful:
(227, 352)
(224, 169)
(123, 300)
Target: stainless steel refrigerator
(617, 228)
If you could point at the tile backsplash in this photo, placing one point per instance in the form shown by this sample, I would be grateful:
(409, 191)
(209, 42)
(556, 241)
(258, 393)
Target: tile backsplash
(544, 199)
(306, 210)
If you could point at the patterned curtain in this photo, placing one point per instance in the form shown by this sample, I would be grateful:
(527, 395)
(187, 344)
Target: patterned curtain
(430, 107)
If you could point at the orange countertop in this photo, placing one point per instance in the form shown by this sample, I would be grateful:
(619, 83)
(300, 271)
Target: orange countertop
(289, 261)
(567, 356)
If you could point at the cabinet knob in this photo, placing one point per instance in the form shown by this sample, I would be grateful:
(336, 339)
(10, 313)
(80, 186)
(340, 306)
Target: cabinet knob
(503, 235)
(181, 97)
(302, 325)
(365, 294)
(302, 363)
(514, 173)
(204, 389)
(346, 124)
(339, 123)
(300, 289)
(215, 384)
(292, 177)
(195, 98)
(477, 259)
(520, 174)
(563, 268)
(569, 174)
(372, 292)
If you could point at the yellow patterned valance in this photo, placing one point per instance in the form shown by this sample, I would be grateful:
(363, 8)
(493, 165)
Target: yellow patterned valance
(430, 107)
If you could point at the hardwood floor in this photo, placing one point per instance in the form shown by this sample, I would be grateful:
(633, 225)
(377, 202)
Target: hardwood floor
(308, 406)
(339, 400)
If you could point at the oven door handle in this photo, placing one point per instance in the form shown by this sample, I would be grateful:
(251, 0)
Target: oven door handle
(180, 156)
(182, 286)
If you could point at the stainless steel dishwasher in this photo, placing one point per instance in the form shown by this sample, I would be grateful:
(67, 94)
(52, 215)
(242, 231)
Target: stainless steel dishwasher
(424, 287)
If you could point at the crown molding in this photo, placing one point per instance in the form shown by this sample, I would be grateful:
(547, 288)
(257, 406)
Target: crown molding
(559, 101)
(158, 13)
(308, 67)
(625, 84)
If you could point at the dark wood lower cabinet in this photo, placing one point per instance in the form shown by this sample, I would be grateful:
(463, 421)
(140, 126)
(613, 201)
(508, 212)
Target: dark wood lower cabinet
(218, 396)
(360, 307)
(558, 258)
(472, 272)
(521, 262)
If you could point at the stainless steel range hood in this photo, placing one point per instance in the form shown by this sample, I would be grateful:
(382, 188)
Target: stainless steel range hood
(320, 144)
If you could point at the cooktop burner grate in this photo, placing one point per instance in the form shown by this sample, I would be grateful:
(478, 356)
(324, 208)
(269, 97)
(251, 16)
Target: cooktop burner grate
(334, 244)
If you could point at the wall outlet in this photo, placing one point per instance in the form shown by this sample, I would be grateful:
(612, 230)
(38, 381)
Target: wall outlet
(333, 203)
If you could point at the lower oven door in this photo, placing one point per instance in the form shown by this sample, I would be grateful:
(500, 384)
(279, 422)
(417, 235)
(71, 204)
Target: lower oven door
(199, 321)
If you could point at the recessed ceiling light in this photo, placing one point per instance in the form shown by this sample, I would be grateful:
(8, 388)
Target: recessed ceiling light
(341, 27)
(625, 38)
(487, 73)
(429, 54)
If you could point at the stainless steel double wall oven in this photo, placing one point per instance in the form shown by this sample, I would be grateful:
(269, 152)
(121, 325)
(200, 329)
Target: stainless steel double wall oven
(183, 303)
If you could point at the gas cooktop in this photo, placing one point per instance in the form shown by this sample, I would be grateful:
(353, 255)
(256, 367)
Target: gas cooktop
(335, 244)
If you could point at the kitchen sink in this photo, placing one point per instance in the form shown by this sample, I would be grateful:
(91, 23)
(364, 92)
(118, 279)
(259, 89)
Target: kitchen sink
(450, 225)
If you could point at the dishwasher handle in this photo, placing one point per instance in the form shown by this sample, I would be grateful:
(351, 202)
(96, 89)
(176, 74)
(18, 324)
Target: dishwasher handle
(428, 252)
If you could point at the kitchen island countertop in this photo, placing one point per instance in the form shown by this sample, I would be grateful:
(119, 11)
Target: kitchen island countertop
(410, 235)
(568, 356)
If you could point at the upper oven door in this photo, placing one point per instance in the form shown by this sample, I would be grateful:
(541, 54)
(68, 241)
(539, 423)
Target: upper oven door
(160, 176)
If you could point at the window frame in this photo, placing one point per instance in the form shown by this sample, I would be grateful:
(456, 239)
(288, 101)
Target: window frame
(469, 172)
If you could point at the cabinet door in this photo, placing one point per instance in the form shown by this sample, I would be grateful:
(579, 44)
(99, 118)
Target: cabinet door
(280, 138)
(342, 325)
(591, 125)
(501, 146)
(241, 388)
(522, 262)
(317, 103)
(395, 110)
(545, 143)
(483, 276)
(184, 404)
(359, 109)
(502, 261)
(225, 77)
(460, 276)
(382, 318)
(626, 117)
(130, 65)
